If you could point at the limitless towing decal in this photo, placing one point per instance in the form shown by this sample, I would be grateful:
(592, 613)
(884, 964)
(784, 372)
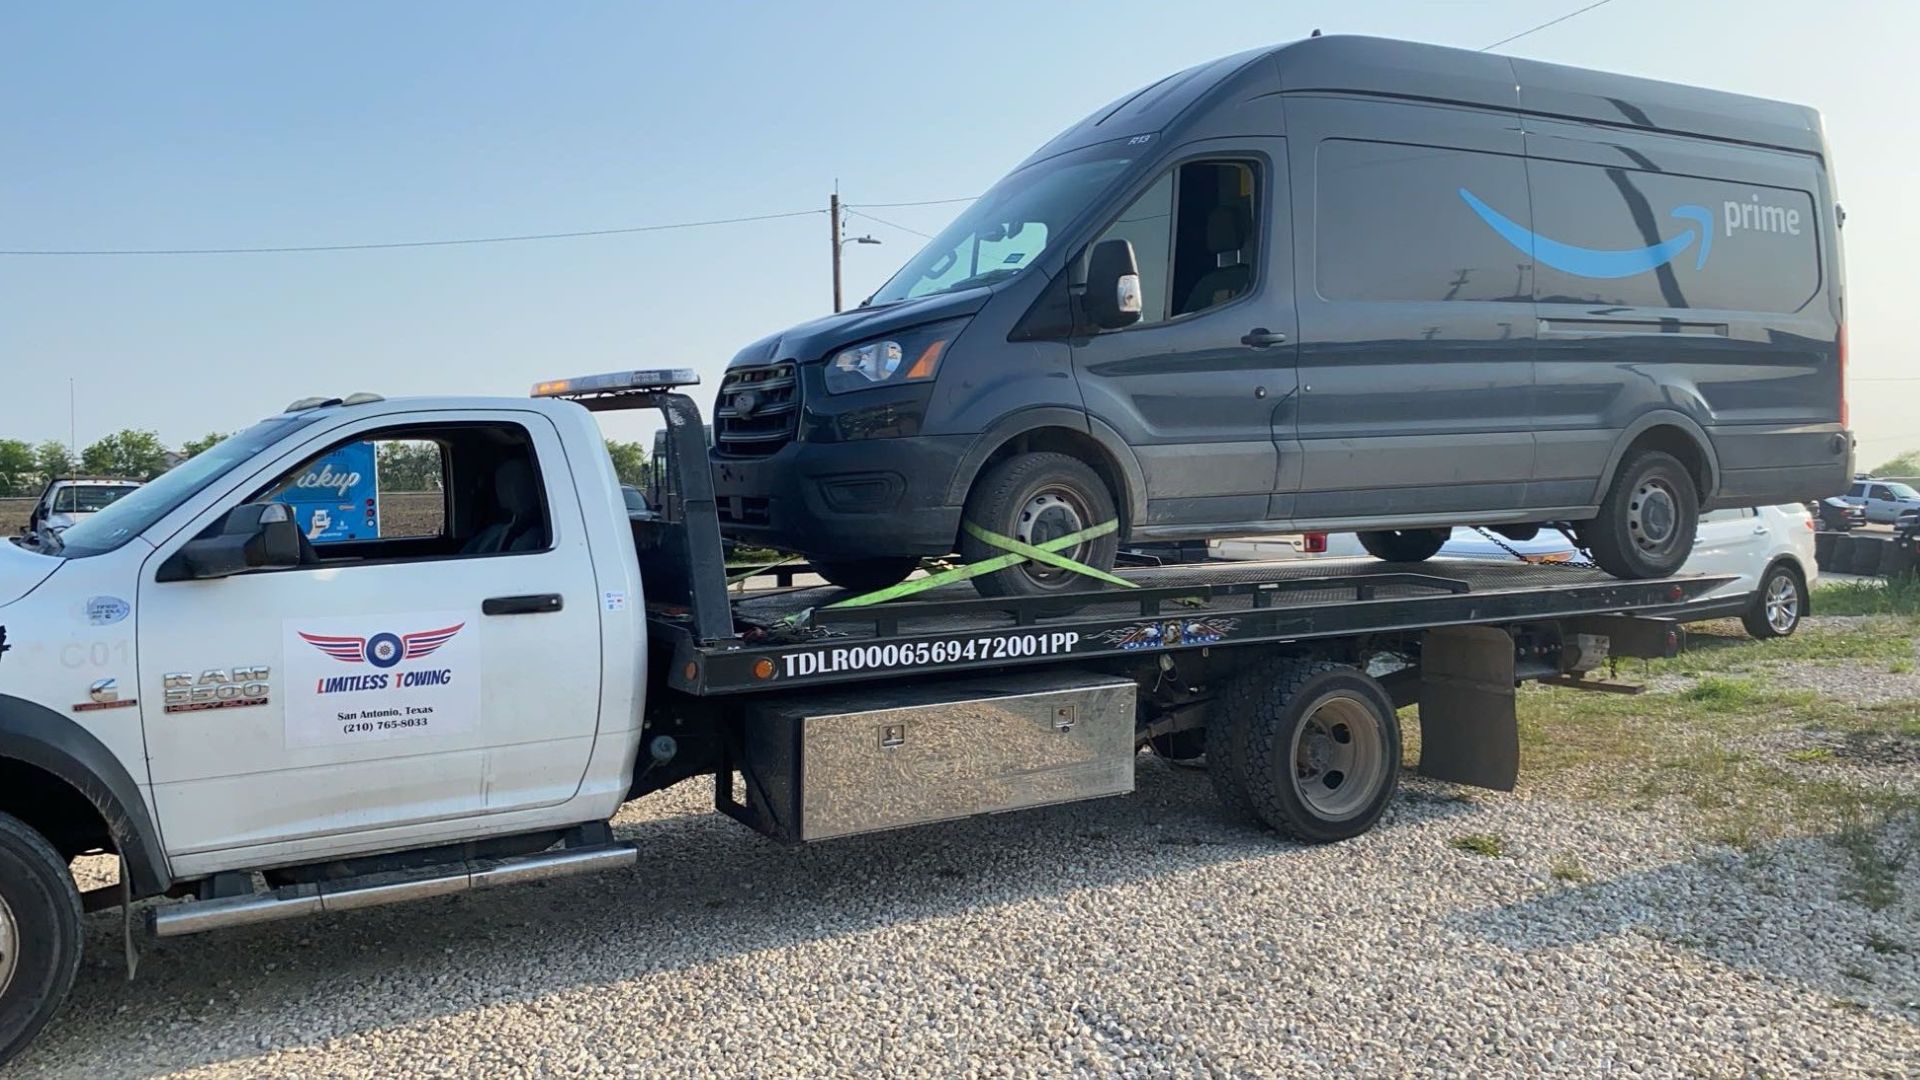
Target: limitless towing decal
(1597, 262)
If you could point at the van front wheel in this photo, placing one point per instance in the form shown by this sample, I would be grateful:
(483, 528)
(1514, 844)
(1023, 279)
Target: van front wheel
(865, 575)
(1035, 498)
(1404, 545)
(1648, 519)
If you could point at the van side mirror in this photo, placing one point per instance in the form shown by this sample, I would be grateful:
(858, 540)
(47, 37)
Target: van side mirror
(1112, 298)
(252, 536)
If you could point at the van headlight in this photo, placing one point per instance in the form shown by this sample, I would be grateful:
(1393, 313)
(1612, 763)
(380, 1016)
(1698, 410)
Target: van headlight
(910, 356)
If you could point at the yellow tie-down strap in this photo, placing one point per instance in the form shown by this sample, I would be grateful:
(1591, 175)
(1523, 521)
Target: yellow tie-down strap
(1016, 553)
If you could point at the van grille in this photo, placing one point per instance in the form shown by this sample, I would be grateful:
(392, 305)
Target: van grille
(758, 410)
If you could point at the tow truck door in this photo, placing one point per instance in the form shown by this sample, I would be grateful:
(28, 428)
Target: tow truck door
(448, 668)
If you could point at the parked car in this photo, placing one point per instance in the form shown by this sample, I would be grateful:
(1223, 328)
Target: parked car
(69, 500)
(1835, 514)
(1345, 283)
(1768, 551)
(1883, 500)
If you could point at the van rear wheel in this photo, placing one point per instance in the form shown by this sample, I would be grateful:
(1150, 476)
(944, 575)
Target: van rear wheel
(1035, 498)
(1404, 545)
(1648, 519)
(39, 934)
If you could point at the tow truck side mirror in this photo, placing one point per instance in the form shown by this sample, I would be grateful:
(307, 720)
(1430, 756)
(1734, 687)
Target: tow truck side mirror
(252, 536)
(1112, 298)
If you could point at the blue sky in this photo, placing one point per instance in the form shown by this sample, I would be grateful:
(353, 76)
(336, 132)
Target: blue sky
(242, 124)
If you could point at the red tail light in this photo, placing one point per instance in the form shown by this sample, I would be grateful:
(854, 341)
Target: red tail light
(1843, 374)
(1313, 543)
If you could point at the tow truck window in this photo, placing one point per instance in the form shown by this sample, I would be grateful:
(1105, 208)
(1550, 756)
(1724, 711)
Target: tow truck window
(435, 492)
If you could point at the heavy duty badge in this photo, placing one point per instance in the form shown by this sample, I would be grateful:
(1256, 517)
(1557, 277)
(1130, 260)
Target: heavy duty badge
(217, 688)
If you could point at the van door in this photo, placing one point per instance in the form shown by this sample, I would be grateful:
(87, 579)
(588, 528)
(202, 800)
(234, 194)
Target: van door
(1194, 387)
(447, 666)
(1418, 333)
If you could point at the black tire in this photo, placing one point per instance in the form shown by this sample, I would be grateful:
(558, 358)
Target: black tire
(866, 575)
(40, 926)
(1648, 519)
(1778, 605)
(1404, 545)
(1227, 738)
(1034, 498)
(1322, 751)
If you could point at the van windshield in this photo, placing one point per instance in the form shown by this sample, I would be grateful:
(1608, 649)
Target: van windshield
(1005, 230)
(130, 515)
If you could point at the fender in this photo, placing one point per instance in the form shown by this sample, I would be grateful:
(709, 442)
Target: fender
(38, 736)
(1665, 418)
(1074, 420)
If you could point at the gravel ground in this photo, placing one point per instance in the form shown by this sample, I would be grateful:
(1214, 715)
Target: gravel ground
(1138, 936)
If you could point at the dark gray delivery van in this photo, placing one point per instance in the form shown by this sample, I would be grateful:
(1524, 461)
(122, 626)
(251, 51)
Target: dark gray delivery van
(1341, 284)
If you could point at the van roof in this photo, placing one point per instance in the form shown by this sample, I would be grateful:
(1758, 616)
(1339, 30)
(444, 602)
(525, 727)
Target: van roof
(1416, 71)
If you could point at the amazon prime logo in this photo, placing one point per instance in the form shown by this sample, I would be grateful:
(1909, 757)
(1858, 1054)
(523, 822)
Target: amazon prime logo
(1600, 262)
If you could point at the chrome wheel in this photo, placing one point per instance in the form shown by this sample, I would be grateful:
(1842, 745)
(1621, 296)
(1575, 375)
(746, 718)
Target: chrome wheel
(1653, 515)
(1782, 604)
(1049, 515)
(9, 947)
(1339, 757)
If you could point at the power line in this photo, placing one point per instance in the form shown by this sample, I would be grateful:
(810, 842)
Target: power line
(923, 202)
(888, 224)
(1544, 25)
(426, 243)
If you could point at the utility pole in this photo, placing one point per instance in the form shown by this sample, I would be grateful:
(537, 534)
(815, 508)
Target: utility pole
(840, 241)
(833, 219)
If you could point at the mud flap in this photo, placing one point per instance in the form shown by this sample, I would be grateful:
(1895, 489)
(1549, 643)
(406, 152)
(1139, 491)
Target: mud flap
(1468, 731)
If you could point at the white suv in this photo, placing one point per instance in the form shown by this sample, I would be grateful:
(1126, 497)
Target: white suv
(1767, 550)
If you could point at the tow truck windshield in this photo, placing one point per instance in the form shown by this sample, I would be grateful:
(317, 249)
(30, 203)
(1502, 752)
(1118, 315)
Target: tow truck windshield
(131, 515)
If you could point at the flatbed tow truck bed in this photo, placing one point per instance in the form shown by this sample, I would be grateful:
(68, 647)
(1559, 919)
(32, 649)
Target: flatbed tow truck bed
(793, 637)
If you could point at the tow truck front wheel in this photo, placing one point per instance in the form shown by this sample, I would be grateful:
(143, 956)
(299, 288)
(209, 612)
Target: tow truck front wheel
(1311, 749)
(39, 934)
(1036, 498)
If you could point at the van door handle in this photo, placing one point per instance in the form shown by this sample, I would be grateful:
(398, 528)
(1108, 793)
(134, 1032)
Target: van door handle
(538, 604)
(1260, 337)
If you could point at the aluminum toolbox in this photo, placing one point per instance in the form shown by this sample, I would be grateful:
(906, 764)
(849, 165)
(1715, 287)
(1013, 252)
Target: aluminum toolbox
(835, 765)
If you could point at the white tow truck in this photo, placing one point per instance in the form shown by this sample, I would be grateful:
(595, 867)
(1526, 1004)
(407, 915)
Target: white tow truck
(260, 726)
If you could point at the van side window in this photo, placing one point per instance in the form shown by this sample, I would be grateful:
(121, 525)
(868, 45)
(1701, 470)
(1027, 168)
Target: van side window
(430, 492)
(1194, 237)
(1393, 222)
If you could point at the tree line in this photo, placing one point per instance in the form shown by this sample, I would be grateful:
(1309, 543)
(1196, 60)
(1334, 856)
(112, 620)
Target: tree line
(140, 455)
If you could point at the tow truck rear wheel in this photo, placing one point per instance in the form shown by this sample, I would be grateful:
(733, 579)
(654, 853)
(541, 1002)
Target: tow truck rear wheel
(866, 575)
(1311, 749)
(1404, 545)
(39, 934)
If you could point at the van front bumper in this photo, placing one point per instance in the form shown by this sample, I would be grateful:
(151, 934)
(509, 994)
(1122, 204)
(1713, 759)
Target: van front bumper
(871, 498)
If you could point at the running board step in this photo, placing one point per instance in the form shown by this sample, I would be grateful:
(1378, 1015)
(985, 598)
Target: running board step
(297, 901)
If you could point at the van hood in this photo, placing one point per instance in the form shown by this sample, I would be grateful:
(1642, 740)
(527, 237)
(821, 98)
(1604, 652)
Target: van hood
(22, 571)
(814, 340)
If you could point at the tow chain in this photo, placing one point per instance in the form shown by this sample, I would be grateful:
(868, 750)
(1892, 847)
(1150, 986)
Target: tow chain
(1584, 561)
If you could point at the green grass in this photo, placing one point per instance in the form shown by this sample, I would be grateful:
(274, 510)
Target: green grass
(1568, 869)
(1895, 596)
(1480, 844)
(1721, 749)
